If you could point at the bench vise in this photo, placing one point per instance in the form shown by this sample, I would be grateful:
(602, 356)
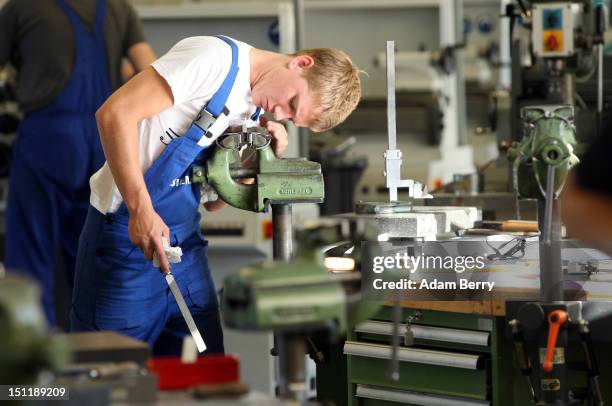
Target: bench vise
(277, 180)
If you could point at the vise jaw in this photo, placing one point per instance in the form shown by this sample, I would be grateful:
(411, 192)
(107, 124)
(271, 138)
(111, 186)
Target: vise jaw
(277, 180)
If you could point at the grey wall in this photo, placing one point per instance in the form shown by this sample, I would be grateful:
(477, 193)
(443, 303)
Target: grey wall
(363, 34)
(163, 33)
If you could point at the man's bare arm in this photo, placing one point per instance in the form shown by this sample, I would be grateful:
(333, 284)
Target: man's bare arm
(141, 56)
(144, 96)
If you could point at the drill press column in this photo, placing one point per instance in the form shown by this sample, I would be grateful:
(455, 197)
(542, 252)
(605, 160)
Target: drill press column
(290, 346)
(282, 243)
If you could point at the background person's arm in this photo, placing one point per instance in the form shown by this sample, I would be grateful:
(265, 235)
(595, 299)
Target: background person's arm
(141, 56)
(144, 96)
(8, 32)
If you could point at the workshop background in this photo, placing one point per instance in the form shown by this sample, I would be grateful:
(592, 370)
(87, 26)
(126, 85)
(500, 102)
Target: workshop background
(463, 70)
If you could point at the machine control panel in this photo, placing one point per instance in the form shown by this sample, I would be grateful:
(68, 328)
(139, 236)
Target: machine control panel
(553, 29)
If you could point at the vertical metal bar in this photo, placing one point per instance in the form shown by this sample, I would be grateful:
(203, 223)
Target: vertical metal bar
(391, 166)
(292, 366)
(300, 40)
(300, 32)
(282, 242)
(290, 347)
(551, 273)
(391, 94)
(569, 88)
(460, 72)
(600, 78)
(394, 374)
(505, 39)
(599, 89)
(548, 211)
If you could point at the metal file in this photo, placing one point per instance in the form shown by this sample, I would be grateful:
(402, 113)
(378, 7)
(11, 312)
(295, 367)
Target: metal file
(193, 329)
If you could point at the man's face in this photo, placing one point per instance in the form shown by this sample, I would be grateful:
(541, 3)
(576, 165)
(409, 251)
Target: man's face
(286, 95)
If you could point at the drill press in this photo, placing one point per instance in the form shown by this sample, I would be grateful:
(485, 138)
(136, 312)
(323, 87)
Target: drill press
(263, 297)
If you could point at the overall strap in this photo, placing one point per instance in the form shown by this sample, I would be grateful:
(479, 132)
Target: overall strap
(98, 29)
(216, 106)
(74, 19)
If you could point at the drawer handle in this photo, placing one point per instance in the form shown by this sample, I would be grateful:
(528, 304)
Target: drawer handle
(441, 358)
(394, 395)
(451, 335)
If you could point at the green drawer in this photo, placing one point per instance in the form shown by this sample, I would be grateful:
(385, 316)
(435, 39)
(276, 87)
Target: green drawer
(419, 377)
(375, 395)
(441, 319)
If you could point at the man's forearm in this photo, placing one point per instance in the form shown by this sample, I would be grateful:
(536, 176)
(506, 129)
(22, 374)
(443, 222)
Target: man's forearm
(119, 137)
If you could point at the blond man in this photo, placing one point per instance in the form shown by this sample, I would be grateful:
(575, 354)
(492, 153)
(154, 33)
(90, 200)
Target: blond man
(153, 129)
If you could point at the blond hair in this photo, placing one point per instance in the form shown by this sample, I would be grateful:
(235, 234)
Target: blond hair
(334, 80)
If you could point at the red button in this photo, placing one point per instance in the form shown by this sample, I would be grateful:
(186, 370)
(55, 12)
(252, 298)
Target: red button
(552, 43)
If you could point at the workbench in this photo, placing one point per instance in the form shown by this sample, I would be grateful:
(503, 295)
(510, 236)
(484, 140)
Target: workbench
(462, 354)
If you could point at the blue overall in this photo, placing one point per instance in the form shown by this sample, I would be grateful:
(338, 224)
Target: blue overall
(56, 151)
(117, 289)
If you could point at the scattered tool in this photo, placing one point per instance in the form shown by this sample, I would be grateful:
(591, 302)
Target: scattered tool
(509, 225)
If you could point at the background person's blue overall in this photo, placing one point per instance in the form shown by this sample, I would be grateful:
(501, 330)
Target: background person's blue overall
(117, 289)
(56, 151)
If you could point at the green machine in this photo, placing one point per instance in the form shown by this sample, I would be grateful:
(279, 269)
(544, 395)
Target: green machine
(284, 295)
(26, 349)
(289, 298)
(543, 332)
(301, 302)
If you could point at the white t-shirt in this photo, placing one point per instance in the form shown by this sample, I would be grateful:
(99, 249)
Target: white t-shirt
(194, 69)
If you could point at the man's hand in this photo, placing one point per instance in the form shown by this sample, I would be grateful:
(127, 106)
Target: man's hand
(279, 135)
(146, 229)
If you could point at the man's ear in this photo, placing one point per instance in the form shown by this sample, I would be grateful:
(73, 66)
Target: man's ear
(302, 62)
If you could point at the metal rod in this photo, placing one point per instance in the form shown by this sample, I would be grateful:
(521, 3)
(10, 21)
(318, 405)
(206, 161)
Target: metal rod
(394, 373)
(591, 359)
(523, 357)
(300, 41)
(243, 173)
(282, 242)
(599, 78)
(300, 32)
(292, 366)
(599, 117)
(550, 199)
(569, 88)
(391, 94)
(290, 347)
(551, 273)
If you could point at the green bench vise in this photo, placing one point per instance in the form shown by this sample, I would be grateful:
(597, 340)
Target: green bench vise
(549, 140)
(277, 180)
(283, 295)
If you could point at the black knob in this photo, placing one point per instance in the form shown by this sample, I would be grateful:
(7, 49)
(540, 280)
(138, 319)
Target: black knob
(531, 316)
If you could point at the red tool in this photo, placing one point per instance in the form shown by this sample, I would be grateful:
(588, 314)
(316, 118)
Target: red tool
(556, 319)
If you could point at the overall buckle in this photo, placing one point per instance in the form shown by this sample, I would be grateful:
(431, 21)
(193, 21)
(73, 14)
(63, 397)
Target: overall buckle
(205, 120)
